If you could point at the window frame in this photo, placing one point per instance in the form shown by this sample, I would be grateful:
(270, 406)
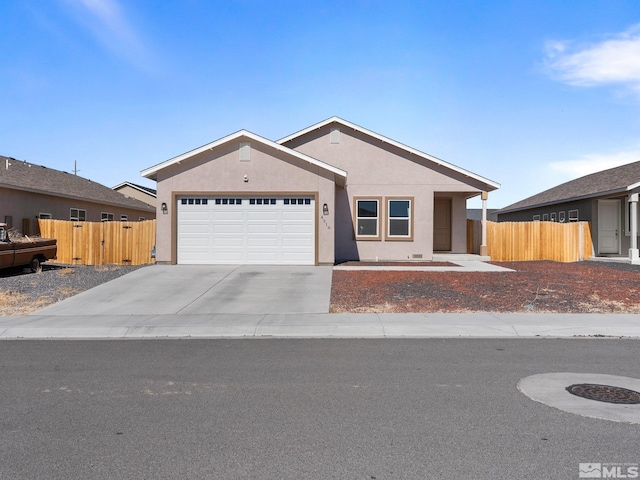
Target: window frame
(378, 235)
(106, 217)
(388, 218)
(572, 218)
(78, 217)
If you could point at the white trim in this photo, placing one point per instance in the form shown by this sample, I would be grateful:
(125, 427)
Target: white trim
(152, 171)
(384, 139)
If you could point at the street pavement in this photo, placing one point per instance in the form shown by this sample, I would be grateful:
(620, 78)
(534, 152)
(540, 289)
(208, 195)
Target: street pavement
(307, 409)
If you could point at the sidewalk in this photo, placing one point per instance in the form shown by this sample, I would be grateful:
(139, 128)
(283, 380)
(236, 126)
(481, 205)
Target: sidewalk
(365, 325)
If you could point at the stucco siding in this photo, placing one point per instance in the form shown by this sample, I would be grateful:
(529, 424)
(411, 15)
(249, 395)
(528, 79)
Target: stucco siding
(221, 171)
(377, 169)
(21, 205)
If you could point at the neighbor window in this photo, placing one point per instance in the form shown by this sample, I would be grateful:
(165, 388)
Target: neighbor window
(561, 217)
(573, 215)
(553, 217)
(367, 213)
(106, 217)
(399, 219)
(45, 216)
(536, 218)
(545, 217)
(123, 218)
(77, 215)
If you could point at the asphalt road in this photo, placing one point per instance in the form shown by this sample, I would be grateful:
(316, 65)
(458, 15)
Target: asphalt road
(301, 409)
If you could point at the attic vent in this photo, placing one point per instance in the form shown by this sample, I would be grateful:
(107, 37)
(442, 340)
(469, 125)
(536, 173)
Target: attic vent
(334, 136)
(245, 151)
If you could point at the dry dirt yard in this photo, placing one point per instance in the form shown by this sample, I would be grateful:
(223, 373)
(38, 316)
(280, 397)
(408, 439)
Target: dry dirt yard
(551, 287)
(585, 287)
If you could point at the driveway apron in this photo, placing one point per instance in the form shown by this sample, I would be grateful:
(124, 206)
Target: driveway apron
(198, 290)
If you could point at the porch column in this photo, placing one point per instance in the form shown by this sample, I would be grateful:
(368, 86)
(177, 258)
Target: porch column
(484, 250)
(633, 223)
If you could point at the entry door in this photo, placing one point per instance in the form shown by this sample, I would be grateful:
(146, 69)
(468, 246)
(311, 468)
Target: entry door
(609, 226)
(442, 225)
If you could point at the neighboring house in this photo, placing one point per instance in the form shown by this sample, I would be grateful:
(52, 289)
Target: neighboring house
(605, 199)
(144, 194)
(476, 214)
(334, 191)
(29, 192)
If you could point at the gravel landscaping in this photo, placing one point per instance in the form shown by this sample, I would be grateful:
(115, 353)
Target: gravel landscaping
(584, 287)
(542, 286)
(23, 292)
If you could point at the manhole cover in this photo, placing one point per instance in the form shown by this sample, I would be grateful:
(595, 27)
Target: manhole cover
(604, 393)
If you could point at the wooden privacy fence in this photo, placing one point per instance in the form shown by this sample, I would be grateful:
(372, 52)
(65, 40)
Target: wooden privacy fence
(101, 243)
(521, 241)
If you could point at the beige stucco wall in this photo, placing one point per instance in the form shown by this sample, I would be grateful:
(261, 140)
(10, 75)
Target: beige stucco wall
(137, 194)
(220, 171)
(28, 205)
(375, 168)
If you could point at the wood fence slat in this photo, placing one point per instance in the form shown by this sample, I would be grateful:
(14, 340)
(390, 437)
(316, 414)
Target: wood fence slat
(527, 241)
(101, 243)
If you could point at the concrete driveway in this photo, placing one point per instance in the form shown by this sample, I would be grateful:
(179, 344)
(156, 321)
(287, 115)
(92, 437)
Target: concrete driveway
(205, 290)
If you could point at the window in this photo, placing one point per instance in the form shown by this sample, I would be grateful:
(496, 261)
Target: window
(553, 217)
(399, 219)
(367, 221)
(45, 216)
(123, 218)
(77, 215)
(106, 217)
(561, 217)
(573, 215)
(536, 218)
(545, 217)
(141, 219)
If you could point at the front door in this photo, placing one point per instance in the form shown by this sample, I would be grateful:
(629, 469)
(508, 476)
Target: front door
(442, 225)
(609, 227)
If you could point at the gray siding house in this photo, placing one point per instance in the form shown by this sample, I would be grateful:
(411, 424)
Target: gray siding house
(333, 191)
(607, 199)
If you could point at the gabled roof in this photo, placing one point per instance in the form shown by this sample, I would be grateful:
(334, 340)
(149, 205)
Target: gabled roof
(607, 182)
(135, 186)
(29, 177)
(153, 171)
(490, 184)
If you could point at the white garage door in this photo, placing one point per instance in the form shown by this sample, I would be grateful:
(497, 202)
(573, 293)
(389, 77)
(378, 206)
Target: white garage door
(246, 230)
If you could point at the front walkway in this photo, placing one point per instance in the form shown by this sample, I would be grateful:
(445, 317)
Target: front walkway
(460, 263)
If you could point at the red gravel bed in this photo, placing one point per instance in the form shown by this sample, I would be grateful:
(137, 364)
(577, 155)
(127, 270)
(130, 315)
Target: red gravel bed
(584, 287)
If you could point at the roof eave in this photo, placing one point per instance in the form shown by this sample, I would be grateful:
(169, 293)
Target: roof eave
(489, 183)
(152, 172)
(566, 200)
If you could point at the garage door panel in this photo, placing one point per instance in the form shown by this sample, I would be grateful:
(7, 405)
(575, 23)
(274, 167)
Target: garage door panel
(228, 242)
(262, 228)
(198, 216)
(266, 214)
(246, 230)
(227, 228)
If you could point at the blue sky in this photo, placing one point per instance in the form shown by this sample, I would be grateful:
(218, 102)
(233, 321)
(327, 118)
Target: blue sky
(526, 93)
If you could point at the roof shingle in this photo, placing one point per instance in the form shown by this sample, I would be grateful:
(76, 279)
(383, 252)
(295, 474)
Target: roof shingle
(22, 175)
(597, 184)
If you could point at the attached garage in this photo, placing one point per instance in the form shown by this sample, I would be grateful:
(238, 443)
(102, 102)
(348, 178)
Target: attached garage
(246, 229)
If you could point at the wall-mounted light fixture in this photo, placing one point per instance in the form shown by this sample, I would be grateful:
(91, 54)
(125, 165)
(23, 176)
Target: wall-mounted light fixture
(164, 208)
(325, 209)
